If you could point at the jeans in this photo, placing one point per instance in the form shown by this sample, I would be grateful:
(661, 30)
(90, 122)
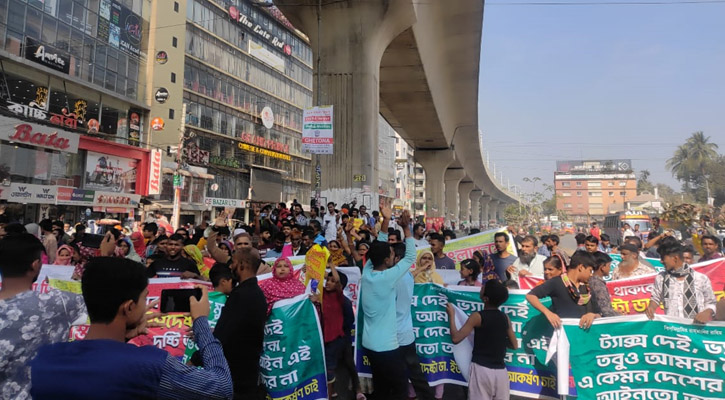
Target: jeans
(389, 374)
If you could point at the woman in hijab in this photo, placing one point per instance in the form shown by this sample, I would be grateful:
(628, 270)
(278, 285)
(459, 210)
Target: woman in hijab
(124, 249)
(425, 268)
(139, 246)
(64, 255)
(194, 254)
(282, 285)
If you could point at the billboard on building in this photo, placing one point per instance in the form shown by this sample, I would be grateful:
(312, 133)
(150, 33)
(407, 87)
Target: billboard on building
(119, 26)
(317, 131)
(110, 173)
(594, 166)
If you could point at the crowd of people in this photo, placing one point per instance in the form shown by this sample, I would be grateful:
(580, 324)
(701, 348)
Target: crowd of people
(114, 270)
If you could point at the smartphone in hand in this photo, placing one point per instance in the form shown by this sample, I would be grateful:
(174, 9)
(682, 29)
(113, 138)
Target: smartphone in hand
(177, 300)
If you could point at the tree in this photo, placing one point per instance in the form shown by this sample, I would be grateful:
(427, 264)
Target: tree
(514, 214)
(690, 159)
(643, 183)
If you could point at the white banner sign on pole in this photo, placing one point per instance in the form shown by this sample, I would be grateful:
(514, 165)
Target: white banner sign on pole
(317, 131)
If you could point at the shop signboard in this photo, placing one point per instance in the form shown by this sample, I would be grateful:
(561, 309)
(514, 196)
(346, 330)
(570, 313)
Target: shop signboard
(116, 200)
(134, 125)
(110, 173)
(231, 203)
(245, 20)
(28, 193)
(47, 56)
(155, 172)
(257, 51)
(317, 130)
(38, 135)
(75, 196)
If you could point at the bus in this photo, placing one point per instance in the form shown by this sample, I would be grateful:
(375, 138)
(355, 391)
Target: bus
(613, 224)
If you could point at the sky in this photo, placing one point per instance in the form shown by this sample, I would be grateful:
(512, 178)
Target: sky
(598, 82)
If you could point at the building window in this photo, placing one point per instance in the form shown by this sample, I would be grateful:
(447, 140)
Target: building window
(174, 41)
(579, 184)
(171, 113)
(566, 184)
(176, 6)
(610, 184)
(579, 194)
(173, 77)
(611, 194)
(566, 194)
(567, 205)
(595, 194)
(622, 193)
(595, 184)
(622, 183)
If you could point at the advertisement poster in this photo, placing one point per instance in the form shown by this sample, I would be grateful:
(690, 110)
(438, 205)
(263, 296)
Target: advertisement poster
(317, 130)
(110, 173)
(120, 27)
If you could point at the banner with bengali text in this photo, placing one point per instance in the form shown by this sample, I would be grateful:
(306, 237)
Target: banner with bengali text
(292, 364)
(528, 374)
(635, 358)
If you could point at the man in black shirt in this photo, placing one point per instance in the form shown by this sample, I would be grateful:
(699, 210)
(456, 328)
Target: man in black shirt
(570, 297)
(241, 325)
(173, 265)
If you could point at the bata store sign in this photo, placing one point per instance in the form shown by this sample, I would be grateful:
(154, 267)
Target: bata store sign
(28, 193)
(38, 135)
(155, 172)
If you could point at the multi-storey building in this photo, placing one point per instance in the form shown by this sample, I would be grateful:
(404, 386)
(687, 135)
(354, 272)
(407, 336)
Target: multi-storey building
(73, 113)
(587, 190)
(245, 76)
(404, 178)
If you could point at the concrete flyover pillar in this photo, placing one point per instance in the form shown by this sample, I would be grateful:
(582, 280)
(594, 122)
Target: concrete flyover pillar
(350, 42)
(435, 163)
(475, 197)
(452, 178)
(485, 209)
(493, 210)
(464, 193)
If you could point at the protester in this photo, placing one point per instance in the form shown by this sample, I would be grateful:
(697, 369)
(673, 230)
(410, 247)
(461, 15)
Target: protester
(221, 278)
(470, 269)
(419, 236)
(528, 263)
(544, 250)
(580, 239)
(637, 232)
(64, 255)
(630, 265)
(595, 231)
(104, 366)
(298, 249)
(332, 321)
(591, 244)
(330, 222)
(442, 261)
(240, 328)
(683, 292)
(553, 267)
(379, 338)
(28, 319)
(488, 269)
(173, 264)
(627, 231)
(688, 254)
(319, 238)
(711, 247)
(425, 268)
(570, 294)
(488, 377)
(282, 285)
(598, 287)
(605, 245)
(502, 259)
(552, 243)
(124, 249)
(49, 240)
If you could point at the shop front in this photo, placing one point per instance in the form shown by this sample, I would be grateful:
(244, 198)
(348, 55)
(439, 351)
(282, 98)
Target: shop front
(46, 172)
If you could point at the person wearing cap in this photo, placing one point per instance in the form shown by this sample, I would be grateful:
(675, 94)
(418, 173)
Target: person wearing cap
(630, 265)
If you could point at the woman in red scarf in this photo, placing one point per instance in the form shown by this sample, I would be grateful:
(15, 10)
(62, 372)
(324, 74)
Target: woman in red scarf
(282, 285)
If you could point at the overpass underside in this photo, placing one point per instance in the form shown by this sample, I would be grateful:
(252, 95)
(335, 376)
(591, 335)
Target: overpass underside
(417, 64)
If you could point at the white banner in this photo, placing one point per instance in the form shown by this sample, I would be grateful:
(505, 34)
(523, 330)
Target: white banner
(29, 193)
(217, 202)
(317, 130)
(266, 56)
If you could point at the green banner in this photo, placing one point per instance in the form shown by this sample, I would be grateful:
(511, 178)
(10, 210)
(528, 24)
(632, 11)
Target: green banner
(635, 358)
(292, 363)
(216, 304)
(444, 362)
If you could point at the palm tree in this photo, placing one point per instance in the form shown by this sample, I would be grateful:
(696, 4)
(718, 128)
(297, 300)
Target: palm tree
(689, 160)
(644, 175)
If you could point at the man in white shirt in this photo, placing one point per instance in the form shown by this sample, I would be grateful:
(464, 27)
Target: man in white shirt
(419, 236)
(683, 292)
(529, 262)
(330, 221)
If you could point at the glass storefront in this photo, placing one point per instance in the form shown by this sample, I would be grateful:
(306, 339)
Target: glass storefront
(98, 50)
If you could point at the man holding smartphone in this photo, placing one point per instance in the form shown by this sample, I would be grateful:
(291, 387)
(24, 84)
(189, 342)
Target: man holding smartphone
(104, 366)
